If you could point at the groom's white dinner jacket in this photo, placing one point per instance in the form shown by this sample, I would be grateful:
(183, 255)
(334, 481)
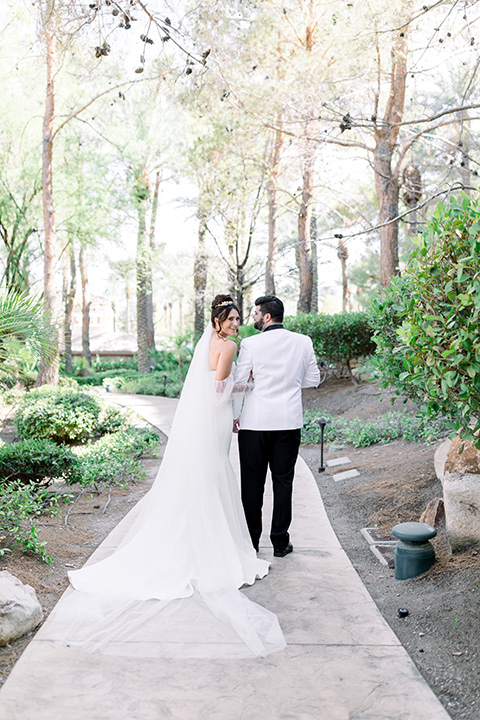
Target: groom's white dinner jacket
(282, 363)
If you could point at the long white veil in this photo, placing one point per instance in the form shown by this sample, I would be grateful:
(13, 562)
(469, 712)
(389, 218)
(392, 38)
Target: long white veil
(170, 589)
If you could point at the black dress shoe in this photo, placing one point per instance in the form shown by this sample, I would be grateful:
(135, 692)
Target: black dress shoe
(285, 551)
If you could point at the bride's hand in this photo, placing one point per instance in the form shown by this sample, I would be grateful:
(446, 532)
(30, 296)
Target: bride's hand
(236, 425)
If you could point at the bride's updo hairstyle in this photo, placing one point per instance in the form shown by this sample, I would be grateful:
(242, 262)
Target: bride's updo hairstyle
(221, 306)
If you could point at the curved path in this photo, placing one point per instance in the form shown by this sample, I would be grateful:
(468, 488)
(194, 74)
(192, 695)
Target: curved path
(343, 662)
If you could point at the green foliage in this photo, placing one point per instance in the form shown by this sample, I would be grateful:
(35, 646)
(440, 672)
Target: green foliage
(151, 384)
(25, 336)
(20, 504)
(245, 331)
(123, 376)
(37, 462)
(114, 458)
(362, 433)
(344, 336)
(426, 326)
(57, 414)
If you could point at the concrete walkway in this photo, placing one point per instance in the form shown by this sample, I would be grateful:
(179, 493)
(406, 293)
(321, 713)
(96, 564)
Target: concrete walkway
(342, 661)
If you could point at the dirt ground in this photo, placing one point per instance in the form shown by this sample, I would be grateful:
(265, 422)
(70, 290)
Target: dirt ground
(396, 482)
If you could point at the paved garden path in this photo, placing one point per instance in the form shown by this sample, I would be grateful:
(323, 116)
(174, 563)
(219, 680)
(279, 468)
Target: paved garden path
(342, 661)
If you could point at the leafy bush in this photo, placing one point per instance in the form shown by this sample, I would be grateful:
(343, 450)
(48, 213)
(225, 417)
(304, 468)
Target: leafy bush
(152, 384)
(19, 505)
(428, 344)
(341, 337)
(37, 462)
(57, 414)
(112, 419)
(361, 433)
(97, 378)
(114, 458)
(100, 364)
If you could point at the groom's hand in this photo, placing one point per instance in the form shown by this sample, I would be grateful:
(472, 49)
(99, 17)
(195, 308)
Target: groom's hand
(236, 425)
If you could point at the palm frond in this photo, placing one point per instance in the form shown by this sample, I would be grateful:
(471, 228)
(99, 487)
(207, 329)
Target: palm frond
(24, 317)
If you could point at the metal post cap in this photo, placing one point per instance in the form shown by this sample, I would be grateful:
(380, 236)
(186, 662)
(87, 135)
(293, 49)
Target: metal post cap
(414, 531)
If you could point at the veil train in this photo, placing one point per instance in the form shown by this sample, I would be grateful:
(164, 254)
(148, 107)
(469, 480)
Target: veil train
(171, 588)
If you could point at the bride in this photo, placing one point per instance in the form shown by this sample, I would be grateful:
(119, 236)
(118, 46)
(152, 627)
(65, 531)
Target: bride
(171, 588)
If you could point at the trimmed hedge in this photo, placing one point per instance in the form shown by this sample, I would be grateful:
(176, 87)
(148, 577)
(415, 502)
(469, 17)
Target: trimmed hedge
(38, 462)
(341, 337)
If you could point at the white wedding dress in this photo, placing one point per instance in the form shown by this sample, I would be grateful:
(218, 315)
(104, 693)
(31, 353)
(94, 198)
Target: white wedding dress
(171, 588)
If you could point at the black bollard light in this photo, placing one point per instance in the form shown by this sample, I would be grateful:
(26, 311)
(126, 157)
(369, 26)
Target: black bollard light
(164, 376)
(321, 421)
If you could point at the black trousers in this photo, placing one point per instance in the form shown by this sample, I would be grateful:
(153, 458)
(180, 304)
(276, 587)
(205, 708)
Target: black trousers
(258, 450)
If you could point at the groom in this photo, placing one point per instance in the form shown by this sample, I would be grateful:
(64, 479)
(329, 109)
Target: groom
(281, 363)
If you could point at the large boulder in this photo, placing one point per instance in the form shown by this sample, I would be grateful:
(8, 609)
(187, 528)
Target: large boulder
(20, 610)
(462, 457)
(461, 494)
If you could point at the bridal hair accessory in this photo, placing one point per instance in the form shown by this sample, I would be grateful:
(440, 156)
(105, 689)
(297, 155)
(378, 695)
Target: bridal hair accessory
(225, 302)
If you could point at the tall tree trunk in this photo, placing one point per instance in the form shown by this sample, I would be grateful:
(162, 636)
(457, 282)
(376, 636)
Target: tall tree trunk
(150, 308)
(412, 192)
(200, 273)
(304, 241)
(69, 297)
(48, 373)
(128, 303)
(386, 180)
(275, 160)
(342, 253)
(306, 208)
(313, 237)
(141, 198)
(464, 145)
(86, 354)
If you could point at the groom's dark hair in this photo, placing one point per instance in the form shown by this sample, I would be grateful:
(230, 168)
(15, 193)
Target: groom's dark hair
(271, 304)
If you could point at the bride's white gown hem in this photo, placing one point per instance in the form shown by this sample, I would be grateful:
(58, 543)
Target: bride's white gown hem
(171, 588)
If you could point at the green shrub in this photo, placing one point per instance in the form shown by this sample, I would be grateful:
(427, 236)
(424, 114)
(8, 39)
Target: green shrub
(361, 433)
(64, 415)
(341, 337)
(100, 364)
(37, 462)
(426, 326)
(112, 419)
(114, 458)
(152, 384)
(19, 506)
(57, 414)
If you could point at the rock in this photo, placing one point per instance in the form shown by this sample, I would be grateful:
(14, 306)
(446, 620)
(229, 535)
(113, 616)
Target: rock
(462, 457)
(20, 610)
(461, 494)
(440, 457)
(434, 513)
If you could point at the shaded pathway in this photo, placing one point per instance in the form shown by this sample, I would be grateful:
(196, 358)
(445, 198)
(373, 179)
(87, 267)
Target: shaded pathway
(343, 662)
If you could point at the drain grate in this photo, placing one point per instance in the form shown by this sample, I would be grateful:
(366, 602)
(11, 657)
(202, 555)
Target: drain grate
(382, 546)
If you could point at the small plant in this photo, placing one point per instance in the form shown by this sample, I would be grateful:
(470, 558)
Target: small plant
(37, 462)
(20, 504)
(114, 458)
(361, 433)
